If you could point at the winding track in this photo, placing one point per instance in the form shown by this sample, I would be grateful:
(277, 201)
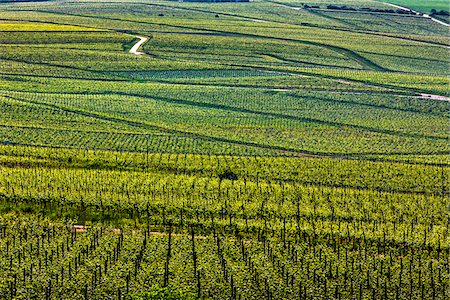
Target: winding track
(136, 47)
(364, 62)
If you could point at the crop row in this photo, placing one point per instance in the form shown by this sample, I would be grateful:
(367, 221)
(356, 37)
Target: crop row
(48, 260)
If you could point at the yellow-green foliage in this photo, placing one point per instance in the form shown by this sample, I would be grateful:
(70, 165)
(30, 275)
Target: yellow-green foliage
(41, 27)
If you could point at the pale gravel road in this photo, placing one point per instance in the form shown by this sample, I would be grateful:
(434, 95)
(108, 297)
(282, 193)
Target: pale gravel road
(417, 13)
(136, 47)
(390, 4)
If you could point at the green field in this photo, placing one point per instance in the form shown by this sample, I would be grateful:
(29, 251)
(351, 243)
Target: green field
(424, 5)
(255, 150)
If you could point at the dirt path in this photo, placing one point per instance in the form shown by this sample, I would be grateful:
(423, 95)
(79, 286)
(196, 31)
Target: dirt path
(392, 5)
(136, 47)
(417, 13)
(417, 95)
(434, 97)
(287, 6)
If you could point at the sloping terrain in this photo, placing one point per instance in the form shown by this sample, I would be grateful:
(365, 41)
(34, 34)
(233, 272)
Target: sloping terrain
(254, 150)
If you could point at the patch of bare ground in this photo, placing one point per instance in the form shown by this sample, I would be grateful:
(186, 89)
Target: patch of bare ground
(79, 228)
(434, 97)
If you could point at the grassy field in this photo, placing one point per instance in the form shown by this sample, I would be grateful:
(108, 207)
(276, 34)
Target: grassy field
(261, 150)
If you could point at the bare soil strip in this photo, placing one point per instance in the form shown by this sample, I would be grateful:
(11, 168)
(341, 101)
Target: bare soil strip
(434, 97)
(136, 47)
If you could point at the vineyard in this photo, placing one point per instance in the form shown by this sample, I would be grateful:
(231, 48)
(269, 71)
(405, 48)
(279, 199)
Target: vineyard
(245, 150)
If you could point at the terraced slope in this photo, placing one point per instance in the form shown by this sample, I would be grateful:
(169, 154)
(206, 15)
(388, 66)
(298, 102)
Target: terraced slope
(256, 150)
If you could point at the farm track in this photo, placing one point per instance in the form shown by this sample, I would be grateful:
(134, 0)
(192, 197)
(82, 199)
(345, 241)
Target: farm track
(349, 92)
(423, 96)
(393, 90)
(346, 52)
(363, 31)
(404, 92)
(287, 117)
(231, 109)
(103, 78)
(378, 106)
(139, 158)
(434, 97)
(364, 62)
(389, 35)
(352, 156)
(337, 78)
(135, 48)
(226, 34)
(426, 16)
